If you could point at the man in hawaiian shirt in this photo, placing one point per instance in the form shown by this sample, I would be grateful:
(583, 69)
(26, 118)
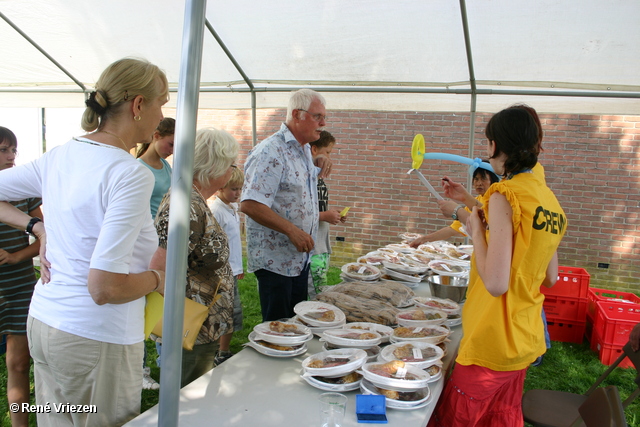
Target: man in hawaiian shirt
(280, 200)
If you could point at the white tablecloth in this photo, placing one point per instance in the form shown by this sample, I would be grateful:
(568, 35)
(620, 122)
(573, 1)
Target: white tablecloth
(251, 389)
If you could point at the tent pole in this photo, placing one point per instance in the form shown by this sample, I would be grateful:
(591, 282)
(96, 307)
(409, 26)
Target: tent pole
(254, 120)
(181, 181)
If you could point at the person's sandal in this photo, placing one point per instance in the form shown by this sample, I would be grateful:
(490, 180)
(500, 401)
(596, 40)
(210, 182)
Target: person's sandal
(148, 383)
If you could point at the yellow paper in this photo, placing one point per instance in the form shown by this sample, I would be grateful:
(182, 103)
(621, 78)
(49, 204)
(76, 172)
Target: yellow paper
(344, 211)
(153, 311)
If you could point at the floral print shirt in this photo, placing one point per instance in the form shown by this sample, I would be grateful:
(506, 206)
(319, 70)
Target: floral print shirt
(280, 173)
(207, 265)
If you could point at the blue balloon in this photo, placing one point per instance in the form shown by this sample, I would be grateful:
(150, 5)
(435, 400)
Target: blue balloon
(473, 163)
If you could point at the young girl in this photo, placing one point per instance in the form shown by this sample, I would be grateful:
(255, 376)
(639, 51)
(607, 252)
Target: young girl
(17, 279)
(515, 236)
(153, 156)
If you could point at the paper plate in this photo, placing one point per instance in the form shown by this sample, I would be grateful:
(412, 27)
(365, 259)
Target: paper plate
(412, 317)
(417, 151)
(312, 313)
(402, 248)
(409, 236)
(317, 330)
(423, 397)
(405, 378)
(267, 351)
(329, 384)
(384, 331)
(418, 354)
(284, 333)
(351, 338)
(353, 357)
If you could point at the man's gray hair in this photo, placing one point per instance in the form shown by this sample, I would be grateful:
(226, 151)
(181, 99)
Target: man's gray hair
(301, 99)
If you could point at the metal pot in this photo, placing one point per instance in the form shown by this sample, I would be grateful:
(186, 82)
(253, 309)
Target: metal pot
(453, 288)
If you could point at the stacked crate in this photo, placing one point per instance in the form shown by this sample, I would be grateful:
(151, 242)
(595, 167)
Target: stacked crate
(614, 314)
(565, 305)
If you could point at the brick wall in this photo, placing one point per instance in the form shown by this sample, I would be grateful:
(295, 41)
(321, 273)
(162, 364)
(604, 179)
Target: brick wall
(592, 164)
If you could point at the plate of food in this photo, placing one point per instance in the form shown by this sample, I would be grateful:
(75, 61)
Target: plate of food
(409, 236)
(402, 248)
(275, 350)
(372, 352)
(419, 354)
(334, 363)
(421, 316)
(322, 314)
(384, 331)
(348, 382)
(444, 304)
(360, 271)
(431, 334)
(395, 375)
(403, 400)
(448, 268)
(394, 275)
(405, 267)
(351, 337)
(285, 333)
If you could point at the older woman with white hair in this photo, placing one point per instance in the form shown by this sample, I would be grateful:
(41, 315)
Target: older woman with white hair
(208, 271)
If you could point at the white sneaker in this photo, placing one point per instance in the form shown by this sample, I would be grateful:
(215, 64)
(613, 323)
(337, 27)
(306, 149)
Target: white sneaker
(148, 383)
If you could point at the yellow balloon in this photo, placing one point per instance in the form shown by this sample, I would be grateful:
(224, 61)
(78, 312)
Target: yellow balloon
(417, 151)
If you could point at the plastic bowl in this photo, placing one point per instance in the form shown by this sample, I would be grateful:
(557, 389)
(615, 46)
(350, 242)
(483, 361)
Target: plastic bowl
(449, 287)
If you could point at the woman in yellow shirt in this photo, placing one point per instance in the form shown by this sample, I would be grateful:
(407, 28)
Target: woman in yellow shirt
(515, 235)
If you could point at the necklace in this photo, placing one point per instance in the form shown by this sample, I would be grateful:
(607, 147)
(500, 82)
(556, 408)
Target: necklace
(198, 191)
(116, 136)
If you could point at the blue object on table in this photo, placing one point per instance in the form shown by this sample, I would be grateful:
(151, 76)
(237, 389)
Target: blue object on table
(371, 409)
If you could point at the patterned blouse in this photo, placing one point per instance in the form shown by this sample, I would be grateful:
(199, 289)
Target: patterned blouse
(207, 265)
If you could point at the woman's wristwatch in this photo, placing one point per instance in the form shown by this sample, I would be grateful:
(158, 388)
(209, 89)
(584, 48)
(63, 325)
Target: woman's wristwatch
(454, 215)
(33, 221)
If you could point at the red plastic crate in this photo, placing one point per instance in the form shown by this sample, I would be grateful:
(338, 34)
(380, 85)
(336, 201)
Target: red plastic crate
(614, 321)
(572, 282)
(565, 308)
(595, 295)
(566, 331)
(609, 353)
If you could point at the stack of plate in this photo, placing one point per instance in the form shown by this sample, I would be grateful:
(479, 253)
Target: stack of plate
(450, 307)
(421, 316)
(334, 370)
(404, 386)
(280, 339)
(319, 316)
(360, 271)
(384, 331)
(410, 280)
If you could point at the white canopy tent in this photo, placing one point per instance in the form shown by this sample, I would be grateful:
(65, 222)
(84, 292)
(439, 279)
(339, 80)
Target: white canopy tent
(376, 55)
(381, 55)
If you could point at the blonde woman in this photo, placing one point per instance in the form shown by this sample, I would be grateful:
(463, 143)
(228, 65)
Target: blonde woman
(86, 319)
(209, 273)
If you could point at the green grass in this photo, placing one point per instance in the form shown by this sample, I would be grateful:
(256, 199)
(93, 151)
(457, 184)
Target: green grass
(567, 367)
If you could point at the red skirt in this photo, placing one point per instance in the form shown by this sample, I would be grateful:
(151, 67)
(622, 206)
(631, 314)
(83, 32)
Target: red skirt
(480, 397)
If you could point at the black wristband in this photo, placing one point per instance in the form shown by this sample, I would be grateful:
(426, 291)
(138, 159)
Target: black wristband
(33, 221)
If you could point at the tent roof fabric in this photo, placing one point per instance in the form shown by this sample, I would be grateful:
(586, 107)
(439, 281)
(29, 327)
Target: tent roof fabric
(373, 54)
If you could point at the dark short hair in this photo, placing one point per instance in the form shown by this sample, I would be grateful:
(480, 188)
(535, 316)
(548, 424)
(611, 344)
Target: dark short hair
(515, 133)
(485, 173)
(9, 137)
(325, 140)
